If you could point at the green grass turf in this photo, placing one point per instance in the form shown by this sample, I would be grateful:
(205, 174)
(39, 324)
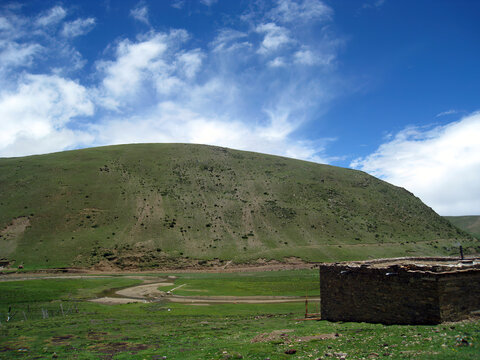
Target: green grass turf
(177, 331)
(224, 331)
(35, 291)
(273, 283)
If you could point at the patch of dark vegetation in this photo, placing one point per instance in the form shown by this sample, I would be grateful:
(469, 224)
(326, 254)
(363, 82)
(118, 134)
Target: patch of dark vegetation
(279, 211)
(112, 349)
(61, 338)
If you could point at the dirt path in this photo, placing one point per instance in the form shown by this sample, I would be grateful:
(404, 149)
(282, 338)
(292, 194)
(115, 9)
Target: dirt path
(150, 293)
(115, 301)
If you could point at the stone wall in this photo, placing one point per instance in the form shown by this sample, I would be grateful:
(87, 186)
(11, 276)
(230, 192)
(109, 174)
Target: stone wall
(397, 294)
(459, 294)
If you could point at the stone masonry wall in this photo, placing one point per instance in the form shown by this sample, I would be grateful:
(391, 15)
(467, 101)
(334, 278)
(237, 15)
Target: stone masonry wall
(459, 294)
(377, 295)
(396, 295)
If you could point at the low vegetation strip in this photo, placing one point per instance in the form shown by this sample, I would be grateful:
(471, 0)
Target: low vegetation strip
(237, 299)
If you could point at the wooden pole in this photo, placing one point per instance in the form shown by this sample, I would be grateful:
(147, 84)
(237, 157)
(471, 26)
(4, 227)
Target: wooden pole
(319, 292)
(306, 305)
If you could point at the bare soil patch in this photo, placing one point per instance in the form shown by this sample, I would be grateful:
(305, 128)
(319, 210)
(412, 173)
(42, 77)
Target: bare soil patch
(285, 336)
(61, 339)
(9, 236)
(147, 291)
(112, 349)
(318, 337)
(116, 301)
(15, 228)
(131, 260)
(276, 335)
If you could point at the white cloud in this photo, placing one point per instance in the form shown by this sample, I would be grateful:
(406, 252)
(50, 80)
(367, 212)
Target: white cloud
(51, 17)
(441, 165)
(216, 110)
(448, 112)
(171, 122)
(178, 4)
(4, 24)
(300, 11)
(125, 74)
(33, 116)
(227, 40)
(78, 27)
(140, 13)
(151, 61)
(13, 54)
(162, 87)
(208, 2)
(308, 57)
(34, 43)
(275, 37)
(14, 26)
(190, 62)
(373, 5)
(277, 62)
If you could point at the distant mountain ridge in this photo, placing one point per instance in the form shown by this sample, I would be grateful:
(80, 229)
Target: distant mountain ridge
(182, 205)
(470, 224)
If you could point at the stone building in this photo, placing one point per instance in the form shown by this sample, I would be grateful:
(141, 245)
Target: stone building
(401, 290)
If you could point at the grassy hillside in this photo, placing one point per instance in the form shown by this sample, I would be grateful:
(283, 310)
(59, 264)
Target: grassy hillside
(174, 204)
(470, 224)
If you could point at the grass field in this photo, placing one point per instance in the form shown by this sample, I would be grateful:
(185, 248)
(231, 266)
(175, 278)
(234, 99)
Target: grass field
(35, 291)
(225, 331)
(270, 283)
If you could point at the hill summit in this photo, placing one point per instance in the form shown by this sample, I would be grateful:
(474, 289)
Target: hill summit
(179, 205)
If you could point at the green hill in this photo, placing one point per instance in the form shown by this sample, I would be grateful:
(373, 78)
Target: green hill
(172, 205)
(470, 224)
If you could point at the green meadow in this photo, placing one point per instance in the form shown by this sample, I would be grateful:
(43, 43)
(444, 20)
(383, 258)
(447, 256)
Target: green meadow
(268, 283)
(165, 330)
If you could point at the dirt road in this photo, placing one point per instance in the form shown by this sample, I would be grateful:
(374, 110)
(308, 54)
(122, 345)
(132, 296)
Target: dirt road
(150, 293)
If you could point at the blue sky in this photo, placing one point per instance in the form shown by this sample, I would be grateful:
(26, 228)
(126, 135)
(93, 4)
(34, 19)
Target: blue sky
(388, 87)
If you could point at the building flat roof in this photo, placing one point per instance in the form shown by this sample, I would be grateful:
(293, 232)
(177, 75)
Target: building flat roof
(416, 264)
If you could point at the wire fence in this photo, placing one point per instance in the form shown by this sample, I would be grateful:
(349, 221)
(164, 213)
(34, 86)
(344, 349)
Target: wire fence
(34, 311)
